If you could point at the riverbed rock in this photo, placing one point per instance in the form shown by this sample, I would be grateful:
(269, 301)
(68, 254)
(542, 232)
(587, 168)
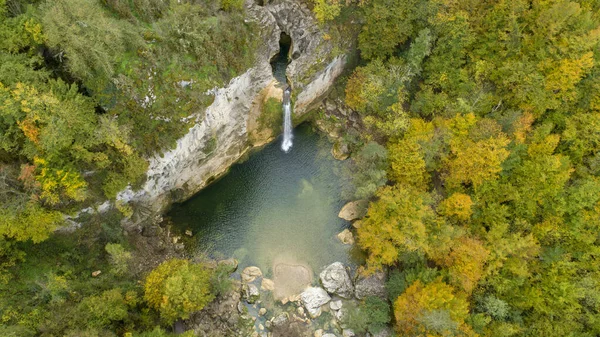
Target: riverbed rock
(348, 333)
(329, 335)
(346, 237)
(231, 264)
(372, 285)
(267, 285)
(318, 333)
(357, 224)
(335, 280)
(150, 230)
(262, 311)
(313, 298)
(353, 210)
(280, 319)
(249, 274)
(251, 293)
(290, 279)
(335, 305)
(340, 151)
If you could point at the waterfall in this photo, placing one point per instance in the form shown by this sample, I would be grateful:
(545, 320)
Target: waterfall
(287, 121)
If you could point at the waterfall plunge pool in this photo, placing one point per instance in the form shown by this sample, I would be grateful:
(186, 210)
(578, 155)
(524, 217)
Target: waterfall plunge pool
(274, 206)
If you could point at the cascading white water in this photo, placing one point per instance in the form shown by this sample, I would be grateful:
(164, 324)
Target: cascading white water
(287, 121)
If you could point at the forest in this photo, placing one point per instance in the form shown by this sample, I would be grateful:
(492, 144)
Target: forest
(480, 158)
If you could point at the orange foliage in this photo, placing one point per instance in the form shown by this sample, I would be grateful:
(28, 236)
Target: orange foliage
(522, 126)
(465, 263)
(30, 130)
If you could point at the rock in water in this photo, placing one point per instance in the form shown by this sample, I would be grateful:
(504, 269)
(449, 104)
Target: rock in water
(335, 280)
(231, 264)
(267, 285)
(340, 151)
(280, 319)
(346, 237)
(249, 274)
(251, 293)
(372, 285)
(353, 210)
(313, 298)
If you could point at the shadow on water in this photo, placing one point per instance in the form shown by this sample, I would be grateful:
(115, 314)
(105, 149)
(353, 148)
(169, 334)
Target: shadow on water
(275, 205)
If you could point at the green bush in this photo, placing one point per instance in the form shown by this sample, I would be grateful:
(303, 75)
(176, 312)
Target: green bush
(378, 312)
(119, 258)
(220, 281)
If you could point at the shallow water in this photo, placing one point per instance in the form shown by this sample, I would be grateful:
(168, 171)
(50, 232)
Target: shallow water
(276, 205)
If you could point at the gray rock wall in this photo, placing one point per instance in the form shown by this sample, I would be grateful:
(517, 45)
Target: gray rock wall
(219, 139)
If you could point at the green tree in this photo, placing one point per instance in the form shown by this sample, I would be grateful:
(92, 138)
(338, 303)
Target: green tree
(367, 172)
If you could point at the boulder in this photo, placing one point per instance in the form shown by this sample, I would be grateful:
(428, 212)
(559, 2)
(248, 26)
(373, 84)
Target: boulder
(262, 311)
(340, 151)
(353, 210)
(372, 285)
(335, 305)
(348, 333)
(231, 264)
(318, 333)
(151, 231)
(346, 237)
(267, 285)
(251, 293)
(249, 274)
(335, 280)
(280, 319)
(329, 335)
(357, 224)
(313, 298)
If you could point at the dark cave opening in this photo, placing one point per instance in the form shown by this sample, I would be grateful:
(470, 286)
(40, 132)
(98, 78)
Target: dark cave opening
(280, 61)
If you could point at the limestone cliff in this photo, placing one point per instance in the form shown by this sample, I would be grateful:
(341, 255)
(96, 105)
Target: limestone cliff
(222, 136)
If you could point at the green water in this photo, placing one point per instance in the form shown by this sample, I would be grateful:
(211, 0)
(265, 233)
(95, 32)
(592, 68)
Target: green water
(275, 205)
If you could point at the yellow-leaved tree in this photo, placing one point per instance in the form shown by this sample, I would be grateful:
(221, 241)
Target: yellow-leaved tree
(431, 310)
(177, 288)
(395, 223)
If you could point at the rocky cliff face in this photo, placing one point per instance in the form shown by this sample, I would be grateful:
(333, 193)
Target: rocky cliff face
(219, 139)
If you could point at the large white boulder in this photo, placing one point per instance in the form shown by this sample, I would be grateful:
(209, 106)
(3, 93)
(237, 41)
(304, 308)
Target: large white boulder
(313, 298)
(335, 280)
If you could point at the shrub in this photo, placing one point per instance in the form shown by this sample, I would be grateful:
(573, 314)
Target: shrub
(119, 258)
